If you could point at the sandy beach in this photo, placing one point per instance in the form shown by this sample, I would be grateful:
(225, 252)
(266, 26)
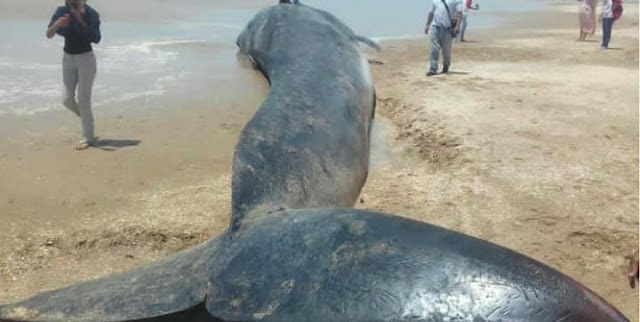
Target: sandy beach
(531, 143)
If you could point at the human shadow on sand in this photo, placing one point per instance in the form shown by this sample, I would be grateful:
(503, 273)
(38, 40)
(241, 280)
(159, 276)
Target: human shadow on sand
(112, 144)
(455, 73)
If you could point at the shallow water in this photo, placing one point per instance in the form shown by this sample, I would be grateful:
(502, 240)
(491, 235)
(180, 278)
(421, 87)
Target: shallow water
(150, 58)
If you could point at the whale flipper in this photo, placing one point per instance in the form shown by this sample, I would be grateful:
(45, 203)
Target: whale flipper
(368, 42)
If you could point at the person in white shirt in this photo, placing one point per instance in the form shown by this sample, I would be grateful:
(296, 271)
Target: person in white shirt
(444, 22)
(606, 16)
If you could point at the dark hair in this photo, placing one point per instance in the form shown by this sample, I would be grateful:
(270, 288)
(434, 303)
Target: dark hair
(66, 3)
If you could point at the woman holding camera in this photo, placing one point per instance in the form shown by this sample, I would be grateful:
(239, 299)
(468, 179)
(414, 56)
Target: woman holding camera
(79, 24)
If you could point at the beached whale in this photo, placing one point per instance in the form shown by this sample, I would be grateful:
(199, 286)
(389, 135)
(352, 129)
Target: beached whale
(281, 260)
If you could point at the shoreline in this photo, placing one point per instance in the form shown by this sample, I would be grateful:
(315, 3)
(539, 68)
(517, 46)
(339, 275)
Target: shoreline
(518, 148)
(160, 46)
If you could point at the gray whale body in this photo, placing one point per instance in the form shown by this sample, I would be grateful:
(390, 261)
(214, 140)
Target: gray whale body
(365, 266)
(308, 145)
(293, 251)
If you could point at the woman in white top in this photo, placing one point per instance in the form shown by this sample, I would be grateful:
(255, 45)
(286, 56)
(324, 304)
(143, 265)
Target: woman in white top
(607, 22)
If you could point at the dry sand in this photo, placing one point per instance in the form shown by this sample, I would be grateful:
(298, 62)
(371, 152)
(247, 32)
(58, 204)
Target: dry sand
(531, 143)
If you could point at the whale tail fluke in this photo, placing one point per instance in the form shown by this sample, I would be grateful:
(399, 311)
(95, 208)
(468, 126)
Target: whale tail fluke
(172, 286)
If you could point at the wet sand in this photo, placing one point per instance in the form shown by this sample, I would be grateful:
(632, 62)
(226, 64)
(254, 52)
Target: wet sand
(531, 143)
(158, 182)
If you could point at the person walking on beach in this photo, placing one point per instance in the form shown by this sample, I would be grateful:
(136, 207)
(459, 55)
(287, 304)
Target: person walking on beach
(587, 18)
(468, 5)
(443, 25)
(79, 24)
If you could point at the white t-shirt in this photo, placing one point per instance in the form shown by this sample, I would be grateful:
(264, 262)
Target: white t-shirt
(439, 11)
(607, 9)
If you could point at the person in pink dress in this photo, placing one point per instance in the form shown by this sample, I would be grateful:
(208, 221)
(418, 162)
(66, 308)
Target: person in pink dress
(587, 18)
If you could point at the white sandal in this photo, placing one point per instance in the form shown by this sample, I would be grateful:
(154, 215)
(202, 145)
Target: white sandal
(83, 145)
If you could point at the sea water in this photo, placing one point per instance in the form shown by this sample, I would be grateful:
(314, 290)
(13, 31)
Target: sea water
(149, 58)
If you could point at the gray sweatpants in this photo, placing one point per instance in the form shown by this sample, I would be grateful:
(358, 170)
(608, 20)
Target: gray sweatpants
(78, 72)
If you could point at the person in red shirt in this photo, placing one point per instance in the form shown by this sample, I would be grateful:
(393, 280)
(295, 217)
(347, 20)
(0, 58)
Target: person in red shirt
(468, 5)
